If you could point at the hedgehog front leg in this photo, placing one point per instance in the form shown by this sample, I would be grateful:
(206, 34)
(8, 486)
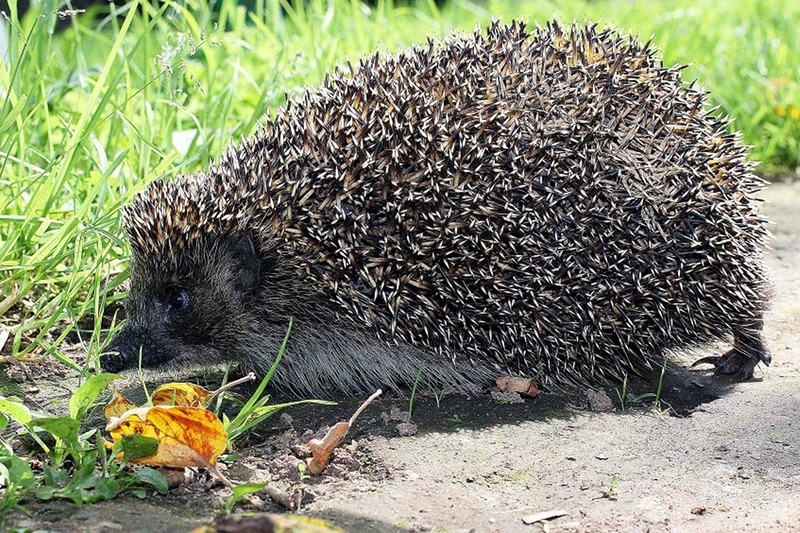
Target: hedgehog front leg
(748, 350)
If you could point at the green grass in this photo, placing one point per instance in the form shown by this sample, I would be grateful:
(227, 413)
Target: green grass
(90, 115)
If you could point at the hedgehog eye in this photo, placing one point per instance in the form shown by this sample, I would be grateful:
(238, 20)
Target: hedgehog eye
(177, 299)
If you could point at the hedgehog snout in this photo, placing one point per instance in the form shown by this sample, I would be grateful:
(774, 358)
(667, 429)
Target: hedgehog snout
(129, 346)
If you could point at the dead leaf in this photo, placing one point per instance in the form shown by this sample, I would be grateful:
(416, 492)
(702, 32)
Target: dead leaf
(185, 394)
(176, 477)
(545, 515)
(187, 436)
(117, 406)
(321, 450)
(521, 385)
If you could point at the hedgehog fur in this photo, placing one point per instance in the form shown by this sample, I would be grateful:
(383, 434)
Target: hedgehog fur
(555, 204)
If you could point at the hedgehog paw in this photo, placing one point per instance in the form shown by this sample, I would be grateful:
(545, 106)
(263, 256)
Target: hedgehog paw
(736, 361)
(731, 362)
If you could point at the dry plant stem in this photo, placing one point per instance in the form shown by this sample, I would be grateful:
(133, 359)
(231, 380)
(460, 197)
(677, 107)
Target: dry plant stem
(217, 474)
(8, 301)
(26, 359)
(279, 496)
(364, 406)
(4, 334)
(249, 377)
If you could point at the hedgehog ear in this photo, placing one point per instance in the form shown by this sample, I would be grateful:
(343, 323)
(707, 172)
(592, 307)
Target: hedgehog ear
(247, 265)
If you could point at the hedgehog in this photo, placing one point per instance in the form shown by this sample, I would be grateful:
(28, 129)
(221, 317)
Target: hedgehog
(552, 203)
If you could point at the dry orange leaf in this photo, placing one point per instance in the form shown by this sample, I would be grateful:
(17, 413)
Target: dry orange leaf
(187, 436)
(517, 384)
(186, 394)
(117, 406)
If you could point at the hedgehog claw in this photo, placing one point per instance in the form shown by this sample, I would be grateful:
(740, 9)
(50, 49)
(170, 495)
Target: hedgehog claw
(736, 362)
(708, 360)
(748, 350)
(731, 362)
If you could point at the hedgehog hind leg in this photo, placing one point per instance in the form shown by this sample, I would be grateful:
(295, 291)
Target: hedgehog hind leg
(748, 350)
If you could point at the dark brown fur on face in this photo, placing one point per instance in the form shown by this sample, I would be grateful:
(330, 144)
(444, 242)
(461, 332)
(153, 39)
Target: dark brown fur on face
(555, 204)
(186, 311)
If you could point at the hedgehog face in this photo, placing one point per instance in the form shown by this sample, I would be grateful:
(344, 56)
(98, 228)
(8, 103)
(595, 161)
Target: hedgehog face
(185, 310)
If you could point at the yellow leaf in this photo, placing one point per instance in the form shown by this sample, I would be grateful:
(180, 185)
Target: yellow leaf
(186, 394)
(117, 406)
(278, 523)
(187, 436)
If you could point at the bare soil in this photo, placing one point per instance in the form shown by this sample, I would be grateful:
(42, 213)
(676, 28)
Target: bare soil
(716, 455)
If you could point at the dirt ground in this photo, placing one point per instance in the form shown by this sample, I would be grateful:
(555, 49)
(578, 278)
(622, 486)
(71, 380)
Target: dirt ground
(724, 457)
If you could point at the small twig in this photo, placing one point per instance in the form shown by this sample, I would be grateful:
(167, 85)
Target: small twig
(278, 496)
(7, 302)
(364, 406)
(546, 515)
(249, 377)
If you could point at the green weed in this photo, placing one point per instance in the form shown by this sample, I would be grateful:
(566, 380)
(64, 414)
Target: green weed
(77, 466)
(256, 410)
(624, 400)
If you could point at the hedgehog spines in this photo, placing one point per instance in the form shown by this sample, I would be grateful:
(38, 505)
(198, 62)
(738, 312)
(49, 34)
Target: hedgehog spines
(554, 202)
